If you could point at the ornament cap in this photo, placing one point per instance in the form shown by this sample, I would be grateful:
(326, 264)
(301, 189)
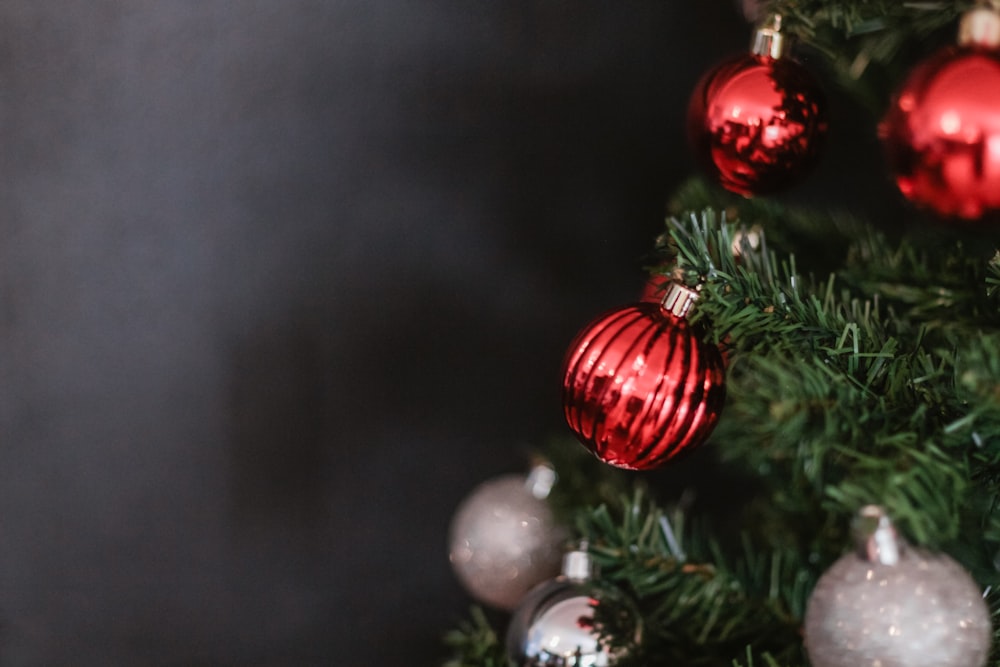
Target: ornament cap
(980, 27)
(678, 299)
(768, 40)
(578, 565)
(876, 537)
(540, 480)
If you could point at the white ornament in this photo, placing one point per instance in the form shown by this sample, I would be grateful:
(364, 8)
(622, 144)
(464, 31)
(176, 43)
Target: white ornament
(891, 605)
(504, 539)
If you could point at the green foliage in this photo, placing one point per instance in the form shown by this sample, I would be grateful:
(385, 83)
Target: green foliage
(474, 643)
(878, 382)
(700, 605)
(868, 44)
(863, 367)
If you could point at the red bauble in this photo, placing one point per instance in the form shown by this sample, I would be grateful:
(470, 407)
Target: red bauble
(640, 386)
(757, 123)
(942, 133)
(654, 288)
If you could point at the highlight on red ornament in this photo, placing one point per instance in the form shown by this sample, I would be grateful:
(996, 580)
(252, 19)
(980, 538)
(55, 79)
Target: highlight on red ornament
(942, 132)
(758, 121)
(640, 386)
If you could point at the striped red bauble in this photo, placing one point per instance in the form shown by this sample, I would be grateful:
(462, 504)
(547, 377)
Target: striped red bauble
(640, 385)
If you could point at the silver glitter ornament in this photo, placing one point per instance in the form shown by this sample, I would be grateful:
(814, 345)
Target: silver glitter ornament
(573, 621)
(891, 605)
(504, 539)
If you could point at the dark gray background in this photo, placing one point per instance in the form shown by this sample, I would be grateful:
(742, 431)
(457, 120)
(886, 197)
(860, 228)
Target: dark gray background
(281, 281)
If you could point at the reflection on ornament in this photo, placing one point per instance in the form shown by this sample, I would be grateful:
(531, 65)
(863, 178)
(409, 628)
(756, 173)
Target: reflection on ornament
(942, 132)
(572, 621)
(640, 385)
(895, 606)
(757, 121)
(504, 539)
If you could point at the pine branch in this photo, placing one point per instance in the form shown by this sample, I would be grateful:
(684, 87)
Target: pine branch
(475, 643)
(868, 398)
(869, 44)
(856, 18)
(699, 606)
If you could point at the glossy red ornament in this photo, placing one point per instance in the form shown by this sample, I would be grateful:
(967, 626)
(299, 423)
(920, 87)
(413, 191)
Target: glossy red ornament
(942, 132)
(758, 121)
(654, 288)
(640, 385)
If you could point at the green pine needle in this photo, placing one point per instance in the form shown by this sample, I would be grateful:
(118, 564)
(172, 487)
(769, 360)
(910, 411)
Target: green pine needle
(474, 643)
(868, 399)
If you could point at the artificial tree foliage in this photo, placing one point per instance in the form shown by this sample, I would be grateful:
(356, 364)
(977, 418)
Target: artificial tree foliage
(863, 367)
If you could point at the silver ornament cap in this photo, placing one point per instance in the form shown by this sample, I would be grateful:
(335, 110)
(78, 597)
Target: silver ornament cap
(892, 605)
(768, 40)
(678, 299)
(980, 27)
(504, 539)
(573, 621)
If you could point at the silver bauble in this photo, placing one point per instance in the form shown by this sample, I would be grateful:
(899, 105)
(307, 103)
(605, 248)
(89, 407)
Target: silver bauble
(572, 621)
(504, 539)
(890, 605)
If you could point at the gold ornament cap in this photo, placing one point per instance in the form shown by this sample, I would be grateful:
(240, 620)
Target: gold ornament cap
(768, 40)
(980, 26)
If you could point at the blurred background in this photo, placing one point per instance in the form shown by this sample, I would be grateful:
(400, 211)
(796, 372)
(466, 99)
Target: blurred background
(281, 282)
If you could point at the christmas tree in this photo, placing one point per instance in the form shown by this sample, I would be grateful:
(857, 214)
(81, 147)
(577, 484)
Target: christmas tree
(860, 432)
